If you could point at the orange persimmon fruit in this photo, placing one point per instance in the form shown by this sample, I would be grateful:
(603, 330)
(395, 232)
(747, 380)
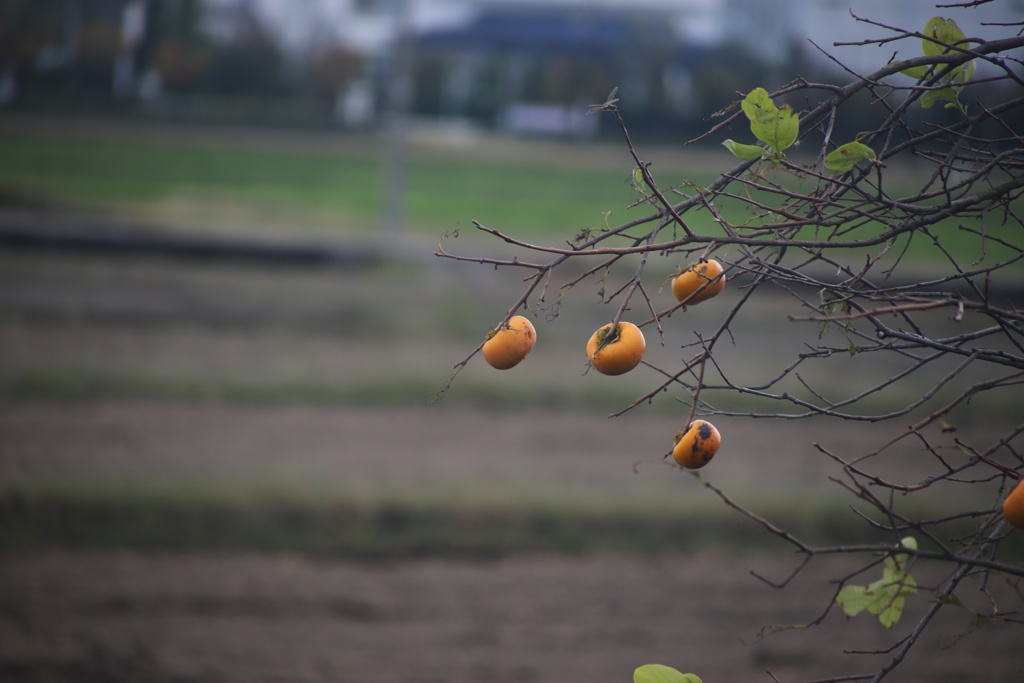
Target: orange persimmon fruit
(506, 346)
(1013, 506)
(686, 286)
(618, 352)
(694, 446)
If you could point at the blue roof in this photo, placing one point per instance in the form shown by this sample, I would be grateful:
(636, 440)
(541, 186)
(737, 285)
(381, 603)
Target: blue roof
(555, 30)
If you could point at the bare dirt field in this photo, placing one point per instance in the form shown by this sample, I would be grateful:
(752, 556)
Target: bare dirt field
(122, 615)
(85, 616)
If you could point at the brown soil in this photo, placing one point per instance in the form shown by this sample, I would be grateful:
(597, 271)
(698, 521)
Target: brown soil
(128, 616)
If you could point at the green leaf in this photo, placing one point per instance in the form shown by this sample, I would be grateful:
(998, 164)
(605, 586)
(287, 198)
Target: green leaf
(933, 96)
(883, 598)
(889, 616)
(916, 71)
(964, 72)
(952, 601)
(744, 152)
(778, 132)
(758, 105)
(856, 599)
(944, 30)
(947, 31)
(659, 673)
(777, 128)
(843, 159)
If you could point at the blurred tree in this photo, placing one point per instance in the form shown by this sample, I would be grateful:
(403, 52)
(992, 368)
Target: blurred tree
(176, 48)
(248, 63)
(180, 64)
(333, 68)
(26, 26)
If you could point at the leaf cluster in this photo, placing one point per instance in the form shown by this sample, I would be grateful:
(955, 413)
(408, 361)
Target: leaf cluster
(940, 37)
(885, 597)
(779, 128)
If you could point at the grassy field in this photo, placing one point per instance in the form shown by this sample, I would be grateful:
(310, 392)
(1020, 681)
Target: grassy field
(335, 182)
(304, 184)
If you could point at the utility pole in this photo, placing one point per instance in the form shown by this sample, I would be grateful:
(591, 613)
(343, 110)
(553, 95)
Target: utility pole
(398, 84)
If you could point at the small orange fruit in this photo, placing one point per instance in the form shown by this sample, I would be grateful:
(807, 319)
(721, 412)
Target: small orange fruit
(618, 352)
(686, 286)
(1013, 506)
(506, 346)
(694, 446)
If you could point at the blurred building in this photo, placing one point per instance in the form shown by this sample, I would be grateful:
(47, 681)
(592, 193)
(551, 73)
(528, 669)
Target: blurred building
(539, 68)
(524, 65)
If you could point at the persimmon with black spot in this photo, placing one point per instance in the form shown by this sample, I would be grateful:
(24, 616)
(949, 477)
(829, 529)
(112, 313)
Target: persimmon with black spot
(694, 446)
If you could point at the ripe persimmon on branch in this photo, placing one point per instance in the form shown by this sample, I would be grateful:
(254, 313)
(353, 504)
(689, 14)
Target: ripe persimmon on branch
(902, 247)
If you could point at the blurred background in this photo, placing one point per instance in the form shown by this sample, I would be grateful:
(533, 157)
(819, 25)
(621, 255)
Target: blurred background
(508, 66)
(226, 451)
